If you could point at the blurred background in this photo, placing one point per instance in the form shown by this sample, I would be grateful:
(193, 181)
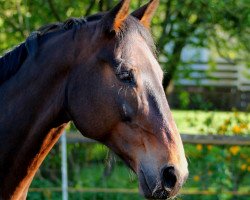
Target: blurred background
(203, 47)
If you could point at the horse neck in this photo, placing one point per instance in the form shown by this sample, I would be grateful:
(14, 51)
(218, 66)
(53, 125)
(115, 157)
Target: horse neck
(32, 117)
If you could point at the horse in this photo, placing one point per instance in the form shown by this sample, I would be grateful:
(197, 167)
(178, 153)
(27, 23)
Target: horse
(100, 72)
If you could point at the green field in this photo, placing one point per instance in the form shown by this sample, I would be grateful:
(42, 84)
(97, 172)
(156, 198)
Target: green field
(211, 122)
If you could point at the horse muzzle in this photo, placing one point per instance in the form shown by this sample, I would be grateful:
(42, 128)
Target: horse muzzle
(164, 186)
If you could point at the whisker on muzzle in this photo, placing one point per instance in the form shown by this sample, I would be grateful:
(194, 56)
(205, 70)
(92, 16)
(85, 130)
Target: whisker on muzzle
(157, 187)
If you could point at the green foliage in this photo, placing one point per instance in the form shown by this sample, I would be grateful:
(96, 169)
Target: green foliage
(233, 124)
(184, 100)
(214, 169)
(195, 101)
(19, 18)
(224, 123)
(219, 168)
(221, 25)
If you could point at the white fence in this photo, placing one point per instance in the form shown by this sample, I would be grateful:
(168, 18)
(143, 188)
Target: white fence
(220, 75)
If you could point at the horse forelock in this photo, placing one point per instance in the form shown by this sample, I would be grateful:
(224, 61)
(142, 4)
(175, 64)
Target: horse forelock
(133, 25)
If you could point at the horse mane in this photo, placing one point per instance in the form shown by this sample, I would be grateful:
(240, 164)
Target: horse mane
(12, 61)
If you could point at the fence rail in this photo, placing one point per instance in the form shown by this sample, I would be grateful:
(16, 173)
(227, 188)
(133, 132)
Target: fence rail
(135, 191)
(186, 138)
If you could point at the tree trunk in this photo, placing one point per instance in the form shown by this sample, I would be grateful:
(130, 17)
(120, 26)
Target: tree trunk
(172, 65)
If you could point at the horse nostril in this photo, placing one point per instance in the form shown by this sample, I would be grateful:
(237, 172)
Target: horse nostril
(169, 177)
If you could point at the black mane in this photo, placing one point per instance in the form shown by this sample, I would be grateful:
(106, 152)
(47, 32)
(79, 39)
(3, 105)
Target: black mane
(12, 61)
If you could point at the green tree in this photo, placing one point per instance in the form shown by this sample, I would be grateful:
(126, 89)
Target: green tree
(222, 25)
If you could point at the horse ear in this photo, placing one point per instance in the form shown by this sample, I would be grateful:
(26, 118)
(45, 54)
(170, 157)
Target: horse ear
(146, 12)
(115, 18)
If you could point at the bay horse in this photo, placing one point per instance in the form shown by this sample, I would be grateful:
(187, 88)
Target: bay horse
(100, 72)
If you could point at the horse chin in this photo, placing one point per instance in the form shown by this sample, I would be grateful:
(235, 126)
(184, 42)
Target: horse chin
(153, 194)
(150, 189)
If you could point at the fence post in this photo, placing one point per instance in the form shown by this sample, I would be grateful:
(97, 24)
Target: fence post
(64, 167)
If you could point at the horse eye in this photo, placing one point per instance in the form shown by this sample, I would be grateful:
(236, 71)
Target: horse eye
(126, 76)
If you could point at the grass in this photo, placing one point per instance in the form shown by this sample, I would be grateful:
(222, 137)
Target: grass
(205, 122)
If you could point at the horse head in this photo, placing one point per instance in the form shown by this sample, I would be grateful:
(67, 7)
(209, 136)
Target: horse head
(115, 96)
